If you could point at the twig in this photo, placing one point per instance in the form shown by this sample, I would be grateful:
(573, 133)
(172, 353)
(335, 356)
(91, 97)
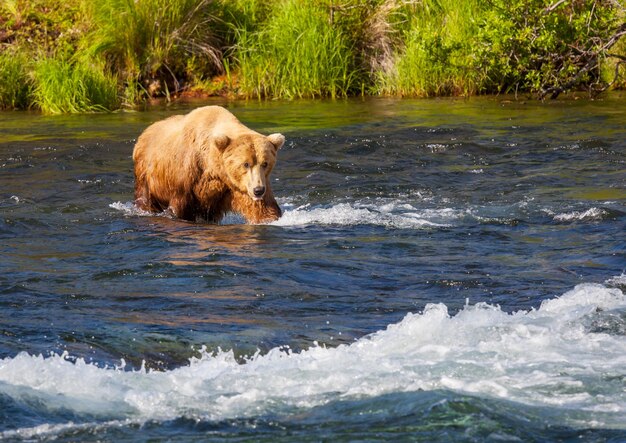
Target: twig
(592, 63)
(554, 6)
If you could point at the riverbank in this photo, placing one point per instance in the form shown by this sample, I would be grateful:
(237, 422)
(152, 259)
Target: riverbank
(80, 56)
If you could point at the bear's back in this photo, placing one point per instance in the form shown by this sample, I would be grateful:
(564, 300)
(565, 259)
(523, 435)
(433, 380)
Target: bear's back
(157, 136)
(217, 121)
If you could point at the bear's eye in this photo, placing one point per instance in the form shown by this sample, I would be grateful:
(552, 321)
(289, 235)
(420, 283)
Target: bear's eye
(264, 165)
(246, 165)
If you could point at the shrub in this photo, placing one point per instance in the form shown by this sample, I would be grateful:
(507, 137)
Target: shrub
(545, 47)
(87, 49)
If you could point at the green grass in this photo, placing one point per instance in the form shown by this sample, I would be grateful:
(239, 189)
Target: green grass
(155, 46)
(298, 53)
(436, 55)
(62, 86)
(469, 47)
(89, 55)
(15, 85)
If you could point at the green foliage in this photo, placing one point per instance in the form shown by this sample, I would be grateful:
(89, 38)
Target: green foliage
(49, 26)
(154, 44)
(297, 53)
(65, 87)
(242, 15)
(539, 46)
(86, 55)
(544, 46)
(437, 54)
(613, 71)
(15, 86)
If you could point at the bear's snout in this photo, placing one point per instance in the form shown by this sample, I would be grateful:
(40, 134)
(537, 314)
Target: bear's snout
(259, 191)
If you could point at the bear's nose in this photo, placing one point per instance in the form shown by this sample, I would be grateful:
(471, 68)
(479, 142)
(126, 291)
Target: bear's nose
(259, 191)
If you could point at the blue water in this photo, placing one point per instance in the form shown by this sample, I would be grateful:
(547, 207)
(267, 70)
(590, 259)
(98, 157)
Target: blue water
(444, 270)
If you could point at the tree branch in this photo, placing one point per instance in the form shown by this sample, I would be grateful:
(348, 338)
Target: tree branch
(592, 63)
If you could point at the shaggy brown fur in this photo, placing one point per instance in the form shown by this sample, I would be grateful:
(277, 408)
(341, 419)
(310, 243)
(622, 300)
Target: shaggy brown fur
(205, 164)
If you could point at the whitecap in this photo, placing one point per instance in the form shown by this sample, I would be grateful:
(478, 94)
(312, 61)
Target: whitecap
(53, 430)
(592, 214)
(129, 209)
(619, 281)
(544, 357)
(391, 215)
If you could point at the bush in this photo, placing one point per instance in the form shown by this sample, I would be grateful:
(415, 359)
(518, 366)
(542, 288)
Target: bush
(545, 47)
(90, 52)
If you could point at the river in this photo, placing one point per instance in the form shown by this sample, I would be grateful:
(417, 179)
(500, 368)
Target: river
(445, 270)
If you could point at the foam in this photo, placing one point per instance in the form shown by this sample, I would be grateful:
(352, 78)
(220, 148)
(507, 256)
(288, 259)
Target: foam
(52, 430)
(542, 357)
(619, 280)
(131, 210)
(388, 214)
(591, 214)
(392, 213)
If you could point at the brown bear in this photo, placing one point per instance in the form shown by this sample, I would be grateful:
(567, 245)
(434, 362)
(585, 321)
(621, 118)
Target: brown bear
(205, 164)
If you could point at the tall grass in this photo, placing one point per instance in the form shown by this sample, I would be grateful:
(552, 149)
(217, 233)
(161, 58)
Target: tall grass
(242, 15)
(297, 53)
(436, 57)
(15, 85)
(154, 45)
(62, 86)
(82, 55)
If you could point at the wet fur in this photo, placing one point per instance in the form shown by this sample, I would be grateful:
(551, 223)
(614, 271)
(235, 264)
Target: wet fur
(180, 167)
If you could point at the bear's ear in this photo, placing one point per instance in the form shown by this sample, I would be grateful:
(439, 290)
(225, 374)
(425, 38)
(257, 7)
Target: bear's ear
(277, 140)
(222, 142)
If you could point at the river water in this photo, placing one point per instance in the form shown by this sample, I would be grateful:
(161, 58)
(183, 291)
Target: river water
(445, 270)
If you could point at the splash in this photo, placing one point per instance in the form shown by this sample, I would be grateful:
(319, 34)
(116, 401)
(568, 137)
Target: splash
(130, 209)
(591, 214)
(553, 356)
(392, 215)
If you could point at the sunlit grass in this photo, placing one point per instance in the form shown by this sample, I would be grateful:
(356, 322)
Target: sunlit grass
(154, 45)
(61, 86)
(437, 55)
(15, 85)
(298, 53)
(86, 55)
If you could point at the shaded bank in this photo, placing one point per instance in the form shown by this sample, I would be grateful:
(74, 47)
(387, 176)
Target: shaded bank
(77, 55)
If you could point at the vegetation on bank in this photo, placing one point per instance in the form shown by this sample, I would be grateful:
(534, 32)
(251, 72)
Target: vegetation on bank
(90, 55)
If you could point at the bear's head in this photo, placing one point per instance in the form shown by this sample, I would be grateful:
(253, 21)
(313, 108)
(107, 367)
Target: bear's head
(248, 161)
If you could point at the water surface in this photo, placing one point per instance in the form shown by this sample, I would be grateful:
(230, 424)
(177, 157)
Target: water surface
(444, 270)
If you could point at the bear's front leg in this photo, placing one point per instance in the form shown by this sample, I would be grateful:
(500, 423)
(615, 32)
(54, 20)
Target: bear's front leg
(255, 212)
(183, 207)
(210, 194)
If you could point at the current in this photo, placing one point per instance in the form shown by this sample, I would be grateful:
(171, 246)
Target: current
(445, 270)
